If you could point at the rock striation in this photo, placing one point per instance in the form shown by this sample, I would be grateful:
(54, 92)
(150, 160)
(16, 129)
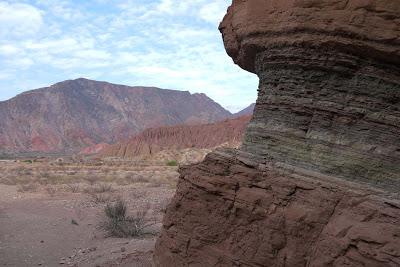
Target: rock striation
(316, 181)
(151, 141)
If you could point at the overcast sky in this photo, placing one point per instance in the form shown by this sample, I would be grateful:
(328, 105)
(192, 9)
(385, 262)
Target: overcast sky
(172, 44)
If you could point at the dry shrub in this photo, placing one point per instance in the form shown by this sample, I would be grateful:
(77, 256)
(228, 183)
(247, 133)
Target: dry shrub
(102, 188)
(101, 198)
(51, 190)
(117, 223)
(24, 188)
(97, 189)
(74, 188)
(155, 183)
(43, 181)
(91, 179)
(140, 179)
(7, 181)
(122, 181)
(44, 174)
(139, 194)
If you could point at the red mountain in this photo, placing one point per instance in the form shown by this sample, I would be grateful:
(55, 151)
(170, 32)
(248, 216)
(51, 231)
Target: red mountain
(74, 114)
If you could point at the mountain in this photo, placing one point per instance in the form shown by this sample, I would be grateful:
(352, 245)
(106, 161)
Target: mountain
(150, 141)
(74, 114)
(247, 111)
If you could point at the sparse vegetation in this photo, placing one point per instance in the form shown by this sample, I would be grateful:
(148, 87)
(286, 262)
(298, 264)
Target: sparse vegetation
(73, 188)
(86, 177)
(118, 223)
(101, 198)
(172, 163)
(51, 190)
(99, 189)
(24, 188)
(91, 179)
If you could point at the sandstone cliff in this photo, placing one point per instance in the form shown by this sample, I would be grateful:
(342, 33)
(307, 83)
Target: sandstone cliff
(316, 181)
(154, 140)
(71, 115)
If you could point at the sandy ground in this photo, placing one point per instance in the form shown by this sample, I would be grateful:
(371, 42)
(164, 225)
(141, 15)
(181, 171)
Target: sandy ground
(39, 230)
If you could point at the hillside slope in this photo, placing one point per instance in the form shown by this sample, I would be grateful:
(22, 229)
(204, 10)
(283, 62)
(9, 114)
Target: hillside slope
(180, 137)
(246, 111)
(74, 114)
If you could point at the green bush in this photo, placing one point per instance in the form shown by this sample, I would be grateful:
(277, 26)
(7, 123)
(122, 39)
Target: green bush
(172, 163)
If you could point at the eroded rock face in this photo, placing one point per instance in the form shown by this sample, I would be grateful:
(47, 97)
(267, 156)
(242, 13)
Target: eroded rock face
(316, 182)
(228, 214)
(329, 96)
(151, 141)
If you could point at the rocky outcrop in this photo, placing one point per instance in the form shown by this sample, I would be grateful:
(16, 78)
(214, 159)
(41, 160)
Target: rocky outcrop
(72, 115)
(316, 181)
(226, 213)
(151, 141)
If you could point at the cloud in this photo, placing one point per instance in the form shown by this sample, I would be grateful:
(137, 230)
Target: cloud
(19, 19)
(213, 12)
(8, 50)
(165, 43)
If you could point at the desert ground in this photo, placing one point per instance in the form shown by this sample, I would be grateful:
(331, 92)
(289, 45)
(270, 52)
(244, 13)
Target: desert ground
(53, 212)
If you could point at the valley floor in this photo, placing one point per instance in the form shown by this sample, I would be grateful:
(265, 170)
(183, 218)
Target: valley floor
(56, 222)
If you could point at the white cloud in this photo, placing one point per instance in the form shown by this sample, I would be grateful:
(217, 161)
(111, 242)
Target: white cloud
(61, 9)
(19, 19)
(164, 43)
(213, 12)
(8, 50)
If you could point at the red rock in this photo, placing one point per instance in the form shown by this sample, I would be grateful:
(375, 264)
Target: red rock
(317, 179)
(94, 149)
(150, 141)
(228, 214)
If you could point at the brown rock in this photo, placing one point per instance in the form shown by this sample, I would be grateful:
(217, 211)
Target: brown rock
(317, 179)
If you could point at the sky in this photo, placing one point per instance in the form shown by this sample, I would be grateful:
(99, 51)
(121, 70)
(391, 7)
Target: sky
(173, 44)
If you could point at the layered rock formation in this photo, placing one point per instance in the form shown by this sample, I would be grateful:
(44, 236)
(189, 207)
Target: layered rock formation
(151, 141)
(72, 115)
(316, 182)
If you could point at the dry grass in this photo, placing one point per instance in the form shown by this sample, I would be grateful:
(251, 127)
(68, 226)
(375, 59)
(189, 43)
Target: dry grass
(73, 188)
(101, 198)
(117, 222)
(27, 188)
(100, 177)
(51, 190)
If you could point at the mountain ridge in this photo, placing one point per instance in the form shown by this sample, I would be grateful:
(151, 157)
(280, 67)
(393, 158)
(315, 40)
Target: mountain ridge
(73, 114)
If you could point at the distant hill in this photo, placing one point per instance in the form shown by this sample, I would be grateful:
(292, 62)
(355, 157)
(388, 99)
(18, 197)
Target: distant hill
(151, 141)
(74, 114)
(247, 111)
